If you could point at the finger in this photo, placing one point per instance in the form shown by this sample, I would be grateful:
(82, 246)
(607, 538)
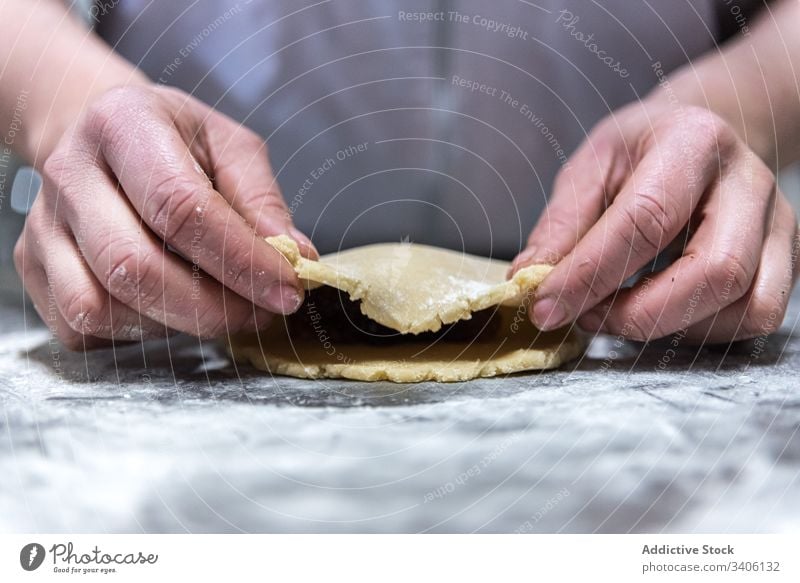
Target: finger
(716, 269)
(43, 299)
(242, 174)
(761, 311)
(652, 208)
(135, 269)
(581, 192)
(84, 304)
(36, 285)
(176, 199)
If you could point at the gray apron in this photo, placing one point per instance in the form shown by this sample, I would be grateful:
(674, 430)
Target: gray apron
(442, 122)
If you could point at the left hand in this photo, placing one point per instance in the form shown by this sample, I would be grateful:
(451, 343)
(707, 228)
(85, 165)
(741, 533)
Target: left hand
(647, 176)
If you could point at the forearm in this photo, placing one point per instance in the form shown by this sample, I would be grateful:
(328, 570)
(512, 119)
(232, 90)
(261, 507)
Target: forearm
(52, 67)
(752, 82)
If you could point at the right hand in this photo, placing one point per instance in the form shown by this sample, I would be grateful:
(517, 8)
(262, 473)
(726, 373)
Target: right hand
(151, 220)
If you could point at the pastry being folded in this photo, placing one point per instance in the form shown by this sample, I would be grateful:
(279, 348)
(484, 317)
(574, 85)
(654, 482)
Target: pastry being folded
(404, 312)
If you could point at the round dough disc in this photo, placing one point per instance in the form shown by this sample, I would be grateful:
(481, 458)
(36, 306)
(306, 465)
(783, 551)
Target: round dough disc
(526, 349)
(412, 289)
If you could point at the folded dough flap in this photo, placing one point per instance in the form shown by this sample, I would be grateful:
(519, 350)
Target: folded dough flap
(414, 288)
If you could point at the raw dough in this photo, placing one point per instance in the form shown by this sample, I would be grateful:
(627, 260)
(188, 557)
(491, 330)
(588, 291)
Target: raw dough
(412, 289)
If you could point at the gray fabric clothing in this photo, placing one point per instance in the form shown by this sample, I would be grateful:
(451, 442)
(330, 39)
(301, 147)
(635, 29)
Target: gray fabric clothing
(438, 120)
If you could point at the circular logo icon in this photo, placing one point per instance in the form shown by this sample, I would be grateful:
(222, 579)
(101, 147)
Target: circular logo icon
(31, 556)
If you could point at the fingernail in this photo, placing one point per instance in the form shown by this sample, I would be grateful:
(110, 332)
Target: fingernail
(282, 298)
(305, 244)
(549, 313)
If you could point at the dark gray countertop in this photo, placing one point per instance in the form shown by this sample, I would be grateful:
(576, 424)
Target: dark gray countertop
(171, 437)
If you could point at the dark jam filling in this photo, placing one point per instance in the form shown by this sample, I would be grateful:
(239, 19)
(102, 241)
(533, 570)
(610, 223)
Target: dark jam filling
(329, 311)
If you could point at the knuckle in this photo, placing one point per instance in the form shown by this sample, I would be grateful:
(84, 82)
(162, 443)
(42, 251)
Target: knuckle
(249, 139)
(232, 142)
(702, 118)
(237, 275)
(35, 222)
(99, 116)
(60, 171)
(604, 133)
(214, 323)
(239, 266)
(130, 278)
(650, 218)
(644, 325)
(263, 198)
(756, 170)
(603, 144)
(711, 132)
(103, 118)
(111, 110)
(728, 276)
(764, 315)
(175, 210)
(66, 184)
(589, 282)
(599, 153)
(56, 165)
(764, 181)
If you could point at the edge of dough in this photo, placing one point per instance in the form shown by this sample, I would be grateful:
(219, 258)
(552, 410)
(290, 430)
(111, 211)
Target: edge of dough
(527, 349)
(316, 273)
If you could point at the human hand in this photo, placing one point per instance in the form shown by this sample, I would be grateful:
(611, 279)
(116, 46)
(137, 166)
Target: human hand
(151, 219)
(650, 175)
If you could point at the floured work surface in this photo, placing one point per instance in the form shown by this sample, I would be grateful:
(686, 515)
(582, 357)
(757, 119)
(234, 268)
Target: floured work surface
(406, 313)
